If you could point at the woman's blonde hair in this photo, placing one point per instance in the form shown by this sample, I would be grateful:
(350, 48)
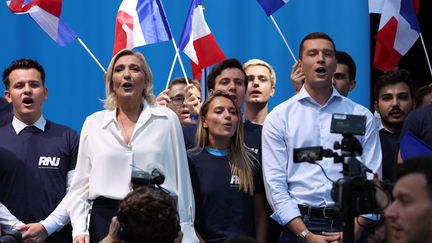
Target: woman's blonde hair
(239, 158)
(110, 102)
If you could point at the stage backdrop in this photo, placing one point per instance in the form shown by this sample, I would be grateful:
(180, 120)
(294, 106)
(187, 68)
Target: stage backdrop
(241, 29)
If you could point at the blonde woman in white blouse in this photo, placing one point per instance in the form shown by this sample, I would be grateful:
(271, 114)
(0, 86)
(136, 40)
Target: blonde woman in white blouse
(132, 133)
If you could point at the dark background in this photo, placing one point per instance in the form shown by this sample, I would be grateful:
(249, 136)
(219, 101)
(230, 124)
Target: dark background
(414, 60)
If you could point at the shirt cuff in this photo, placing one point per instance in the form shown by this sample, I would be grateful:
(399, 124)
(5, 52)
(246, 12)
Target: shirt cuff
(188, 231)
(49, 225)
(285, 216)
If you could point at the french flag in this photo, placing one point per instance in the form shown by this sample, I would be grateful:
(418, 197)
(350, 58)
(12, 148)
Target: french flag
(197, 41)
(46, 13)
(411, 146)
(139, 23)
(271, 6)
(398, 31)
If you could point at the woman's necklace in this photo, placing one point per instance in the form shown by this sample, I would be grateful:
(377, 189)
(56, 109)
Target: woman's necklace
(126, 131)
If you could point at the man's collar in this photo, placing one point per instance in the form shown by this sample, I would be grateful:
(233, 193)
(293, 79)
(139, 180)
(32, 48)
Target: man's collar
(303, 94)
(18, 125)
(146, 113)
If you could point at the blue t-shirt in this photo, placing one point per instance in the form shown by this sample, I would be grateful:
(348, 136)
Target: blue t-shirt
(222, 210)
(33, 169)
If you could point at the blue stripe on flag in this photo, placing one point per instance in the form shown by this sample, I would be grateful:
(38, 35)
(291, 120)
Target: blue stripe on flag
(187, 29)
(64, 34)
(411, 146)
(153, 21)
(408, 12)
(271, 6)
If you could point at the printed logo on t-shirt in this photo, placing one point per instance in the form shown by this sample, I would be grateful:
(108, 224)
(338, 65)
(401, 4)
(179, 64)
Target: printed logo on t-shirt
(254, 150)
(49, 162)
(235, 181)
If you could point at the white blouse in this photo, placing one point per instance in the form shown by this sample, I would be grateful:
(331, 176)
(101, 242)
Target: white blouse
(105, 163)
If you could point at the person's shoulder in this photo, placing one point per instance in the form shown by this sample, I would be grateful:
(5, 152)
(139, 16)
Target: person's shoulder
(357, 108)
(195, 155)
(283, 107)
(99, 116)
(60, 128)
(421, 112)
(158, 110)
(6, 119)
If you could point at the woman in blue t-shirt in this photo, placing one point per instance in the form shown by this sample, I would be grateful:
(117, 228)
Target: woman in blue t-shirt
(226, 178)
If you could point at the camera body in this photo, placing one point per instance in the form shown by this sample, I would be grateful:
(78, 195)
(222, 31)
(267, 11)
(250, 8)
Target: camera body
(353, 194)
(143, 178)
(11, 236)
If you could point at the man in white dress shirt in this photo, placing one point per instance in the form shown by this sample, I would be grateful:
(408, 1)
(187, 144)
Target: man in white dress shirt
(299, 193)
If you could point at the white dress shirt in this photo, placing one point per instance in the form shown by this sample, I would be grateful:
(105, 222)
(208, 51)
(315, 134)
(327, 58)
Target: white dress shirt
(302, 122)
(105, 163)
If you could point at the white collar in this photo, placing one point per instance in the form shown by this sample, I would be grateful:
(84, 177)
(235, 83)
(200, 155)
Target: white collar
(146, 113)
(19, 125)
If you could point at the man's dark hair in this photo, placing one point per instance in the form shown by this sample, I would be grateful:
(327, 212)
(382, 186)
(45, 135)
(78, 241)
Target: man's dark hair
(422, 165)
(421, 93)
(22, 64)
(394, 77)
(313, 36)
(344, 58)
(148, 215)
(182, 80)
(218, 68)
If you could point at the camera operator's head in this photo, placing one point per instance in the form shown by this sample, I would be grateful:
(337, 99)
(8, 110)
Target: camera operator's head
(410, 215)
(147, 215)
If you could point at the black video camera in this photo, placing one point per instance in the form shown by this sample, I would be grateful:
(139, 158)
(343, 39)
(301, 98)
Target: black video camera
(353, 194)
(143, 178)
(11, 236)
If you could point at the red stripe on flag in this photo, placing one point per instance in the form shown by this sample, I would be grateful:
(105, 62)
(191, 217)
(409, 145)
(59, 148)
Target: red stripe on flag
(208, 52)
(120, 36)
(386, 57)
(196, 70)
(51, 6)
(16, 6)
(416, 6)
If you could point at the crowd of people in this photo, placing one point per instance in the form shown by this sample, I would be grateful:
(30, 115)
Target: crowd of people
(229, 170)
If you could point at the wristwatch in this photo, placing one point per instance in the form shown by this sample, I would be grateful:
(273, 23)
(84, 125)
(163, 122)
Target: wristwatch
(302, 236)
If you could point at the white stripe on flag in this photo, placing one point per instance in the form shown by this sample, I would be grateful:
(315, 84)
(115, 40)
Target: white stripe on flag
(405, 36)
(47, 21)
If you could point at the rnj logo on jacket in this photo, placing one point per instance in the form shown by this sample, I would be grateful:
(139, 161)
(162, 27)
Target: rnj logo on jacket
(46, 161)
